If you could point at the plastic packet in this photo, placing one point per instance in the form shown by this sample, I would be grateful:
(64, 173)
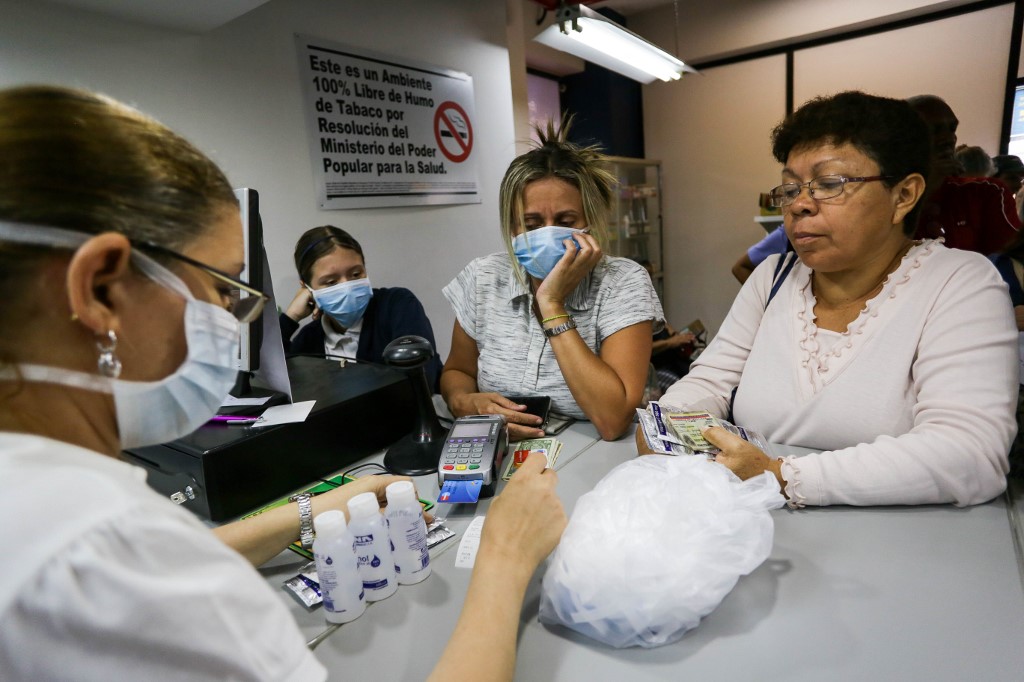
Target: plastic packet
(305, 586)
(655, 547)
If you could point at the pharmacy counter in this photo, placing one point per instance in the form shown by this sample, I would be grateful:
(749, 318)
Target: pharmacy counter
(887, 593)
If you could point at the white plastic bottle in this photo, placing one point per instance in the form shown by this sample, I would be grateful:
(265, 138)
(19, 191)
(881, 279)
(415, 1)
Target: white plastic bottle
(373, 547)
(408, 532)
(340, 583)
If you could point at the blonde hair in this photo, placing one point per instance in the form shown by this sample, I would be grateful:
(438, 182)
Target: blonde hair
(553, 156)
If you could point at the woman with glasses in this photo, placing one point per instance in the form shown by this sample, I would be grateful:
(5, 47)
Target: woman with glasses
(350, 318)
(895, 359)
(120, 249)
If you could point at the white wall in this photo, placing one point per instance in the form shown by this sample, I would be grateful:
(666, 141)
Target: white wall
(716, 158)
(965, 64)
(713, 129)
(235, 93)
(709, 29)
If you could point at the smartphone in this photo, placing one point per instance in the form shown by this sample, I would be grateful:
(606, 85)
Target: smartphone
(535, 404)
(556, 423)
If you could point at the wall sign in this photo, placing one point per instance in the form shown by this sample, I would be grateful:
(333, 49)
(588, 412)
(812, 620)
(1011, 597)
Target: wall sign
(386, 131)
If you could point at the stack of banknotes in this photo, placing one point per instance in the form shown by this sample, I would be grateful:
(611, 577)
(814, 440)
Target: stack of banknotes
(519, 451)
(670, 430)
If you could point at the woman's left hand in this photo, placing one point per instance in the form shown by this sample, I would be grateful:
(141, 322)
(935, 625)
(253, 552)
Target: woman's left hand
(743, 458)
(570, 270)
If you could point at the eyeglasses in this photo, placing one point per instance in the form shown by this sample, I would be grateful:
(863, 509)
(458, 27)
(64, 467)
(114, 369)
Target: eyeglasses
(824, 187)
(246, 302)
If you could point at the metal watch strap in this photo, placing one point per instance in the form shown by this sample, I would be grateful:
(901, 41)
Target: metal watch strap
(305, 520)
(560, 329)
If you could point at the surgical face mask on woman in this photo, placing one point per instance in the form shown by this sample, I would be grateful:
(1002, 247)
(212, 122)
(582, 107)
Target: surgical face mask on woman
(539, 250)
(345, 301)
(151, 412)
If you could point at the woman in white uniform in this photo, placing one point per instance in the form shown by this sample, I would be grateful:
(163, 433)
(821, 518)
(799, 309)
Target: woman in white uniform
(120, 245)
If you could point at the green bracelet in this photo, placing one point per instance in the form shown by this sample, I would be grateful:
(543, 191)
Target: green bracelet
(556, 317)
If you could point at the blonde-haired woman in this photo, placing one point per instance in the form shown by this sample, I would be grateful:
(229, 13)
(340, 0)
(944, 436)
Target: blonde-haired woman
(553, 315)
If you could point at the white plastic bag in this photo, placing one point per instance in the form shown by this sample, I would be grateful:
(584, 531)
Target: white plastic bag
(655, 547)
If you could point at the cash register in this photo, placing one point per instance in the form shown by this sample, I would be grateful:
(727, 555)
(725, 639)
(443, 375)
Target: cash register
(222, 471)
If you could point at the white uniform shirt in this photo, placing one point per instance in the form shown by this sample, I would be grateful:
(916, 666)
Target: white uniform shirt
(914, 404)
(103, 579)
(343, 344)
(494, 309)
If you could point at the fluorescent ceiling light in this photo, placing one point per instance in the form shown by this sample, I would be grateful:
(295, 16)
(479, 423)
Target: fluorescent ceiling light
(582, 32)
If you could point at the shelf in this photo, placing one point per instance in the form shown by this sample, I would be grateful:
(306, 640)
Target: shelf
(635, 223)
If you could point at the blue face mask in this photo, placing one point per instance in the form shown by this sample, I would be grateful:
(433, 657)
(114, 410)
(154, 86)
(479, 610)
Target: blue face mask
(539, 251)
(346, 301)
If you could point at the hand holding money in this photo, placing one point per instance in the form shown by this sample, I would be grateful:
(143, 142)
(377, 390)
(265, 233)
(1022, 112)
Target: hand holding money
(526, 519)
(743, 458)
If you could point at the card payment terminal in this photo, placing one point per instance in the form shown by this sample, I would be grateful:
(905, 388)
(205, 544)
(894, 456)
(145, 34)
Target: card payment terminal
(471, 458)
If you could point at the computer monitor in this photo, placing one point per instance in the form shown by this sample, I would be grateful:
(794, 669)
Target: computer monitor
(262, 372)
(252, 231)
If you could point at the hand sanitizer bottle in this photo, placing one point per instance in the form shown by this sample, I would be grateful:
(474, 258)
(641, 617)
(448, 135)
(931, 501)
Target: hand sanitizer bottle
(340, 584)
(408, 533)
(373, 548)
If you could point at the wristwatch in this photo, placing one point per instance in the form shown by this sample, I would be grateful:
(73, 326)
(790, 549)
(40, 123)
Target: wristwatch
(560, 329)
(305, 519)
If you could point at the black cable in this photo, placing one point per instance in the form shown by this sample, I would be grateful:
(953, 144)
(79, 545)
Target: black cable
(368, 465)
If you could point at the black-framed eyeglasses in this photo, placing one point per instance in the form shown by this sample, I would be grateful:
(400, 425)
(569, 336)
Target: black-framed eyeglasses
(246, 301)
(823, 187)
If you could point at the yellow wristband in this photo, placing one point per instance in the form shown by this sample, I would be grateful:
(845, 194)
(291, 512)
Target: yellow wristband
(556, 317)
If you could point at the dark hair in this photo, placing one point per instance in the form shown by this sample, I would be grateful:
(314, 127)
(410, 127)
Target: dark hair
(82, 161)
(975, 161)
(889, 131)
(316, 243)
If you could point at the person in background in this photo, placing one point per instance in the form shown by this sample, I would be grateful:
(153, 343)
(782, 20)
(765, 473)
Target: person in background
(976, 214)
(553, 315)
(350, 318)
(1010, 264)
(774, 242)
(120, 250)
(1009, 170)
(974, 162)
(671, 350)
(894, 358)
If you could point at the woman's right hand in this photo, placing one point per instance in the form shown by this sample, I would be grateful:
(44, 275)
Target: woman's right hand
(521, 425)
(641, 443)
(576, 263)
(526, 520)
(302, 305)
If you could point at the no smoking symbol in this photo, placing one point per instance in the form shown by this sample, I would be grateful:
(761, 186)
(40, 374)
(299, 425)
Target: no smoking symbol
(453, 132)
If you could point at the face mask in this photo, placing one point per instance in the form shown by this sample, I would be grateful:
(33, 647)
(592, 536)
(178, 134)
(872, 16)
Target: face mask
(539, 251)
(152, 412)
(346, 301)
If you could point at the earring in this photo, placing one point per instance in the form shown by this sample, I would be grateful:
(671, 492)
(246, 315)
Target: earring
(108, 363)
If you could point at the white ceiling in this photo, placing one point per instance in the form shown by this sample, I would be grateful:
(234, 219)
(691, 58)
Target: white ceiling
(185, 15)
(204, 15)
(627, 7)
